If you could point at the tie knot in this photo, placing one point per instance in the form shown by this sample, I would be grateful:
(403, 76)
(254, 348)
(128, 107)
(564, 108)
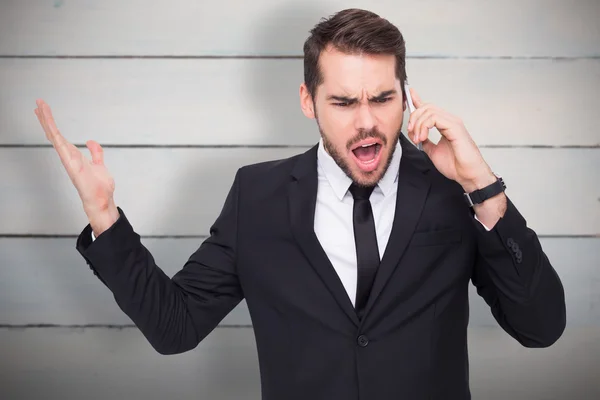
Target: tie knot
(361, 192)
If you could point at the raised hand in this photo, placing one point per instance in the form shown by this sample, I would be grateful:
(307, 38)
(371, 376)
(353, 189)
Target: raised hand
(456, 155)
(91, 178)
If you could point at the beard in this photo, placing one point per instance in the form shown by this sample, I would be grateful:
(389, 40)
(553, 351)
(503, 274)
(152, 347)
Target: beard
(372, 177)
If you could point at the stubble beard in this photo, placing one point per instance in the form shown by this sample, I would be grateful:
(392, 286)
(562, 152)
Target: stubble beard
(372, 177)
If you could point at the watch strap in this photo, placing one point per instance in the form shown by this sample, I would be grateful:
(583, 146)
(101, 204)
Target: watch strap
(481, 195)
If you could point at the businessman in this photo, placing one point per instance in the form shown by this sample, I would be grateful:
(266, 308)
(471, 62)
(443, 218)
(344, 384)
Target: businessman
(355, 256)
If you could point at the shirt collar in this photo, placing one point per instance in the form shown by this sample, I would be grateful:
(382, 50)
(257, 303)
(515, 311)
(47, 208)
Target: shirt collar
(340, 182)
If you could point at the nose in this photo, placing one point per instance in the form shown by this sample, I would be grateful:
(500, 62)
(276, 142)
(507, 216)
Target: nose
(364, 118)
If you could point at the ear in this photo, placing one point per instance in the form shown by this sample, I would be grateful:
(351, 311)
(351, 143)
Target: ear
(306, 103)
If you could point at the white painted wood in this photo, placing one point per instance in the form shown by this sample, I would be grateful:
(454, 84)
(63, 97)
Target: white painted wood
(576, 262)
(104, 364)
(256, 102)
(508, 102)
(46, 281)
(181, 191)
(279, 27)
(64, 364)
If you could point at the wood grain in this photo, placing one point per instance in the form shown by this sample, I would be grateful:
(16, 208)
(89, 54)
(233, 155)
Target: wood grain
(462, 28)
(181, 191)
(256, 102)
(99, 364)
(46, 281)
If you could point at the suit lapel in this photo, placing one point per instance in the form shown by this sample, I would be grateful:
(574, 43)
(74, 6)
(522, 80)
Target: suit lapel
(302, 197)
(413, 187)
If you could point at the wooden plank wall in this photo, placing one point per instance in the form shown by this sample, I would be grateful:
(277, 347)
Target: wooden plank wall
(181, 93)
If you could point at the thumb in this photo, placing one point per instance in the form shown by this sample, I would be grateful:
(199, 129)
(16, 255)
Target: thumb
(96, 151)
(428, 147)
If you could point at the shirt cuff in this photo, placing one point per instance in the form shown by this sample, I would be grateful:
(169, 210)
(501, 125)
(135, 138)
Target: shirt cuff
(475, 215)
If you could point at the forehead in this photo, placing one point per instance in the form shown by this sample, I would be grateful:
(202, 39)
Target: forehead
(357, 72)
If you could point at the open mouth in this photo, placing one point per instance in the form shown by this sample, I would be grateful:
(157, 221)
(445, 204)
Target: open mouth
(367, 154)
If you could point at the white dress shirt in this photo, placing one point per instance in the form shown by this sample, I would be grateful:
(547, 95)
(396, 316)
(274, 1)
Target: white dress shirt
(333, 214)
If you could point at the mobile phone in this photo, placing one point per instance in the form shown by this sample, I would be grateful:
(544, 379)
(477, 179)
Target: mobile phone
(411, 107)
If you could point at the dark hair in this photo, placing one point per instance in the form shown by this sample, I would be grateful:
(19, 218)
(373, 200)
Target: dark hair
(353, 31)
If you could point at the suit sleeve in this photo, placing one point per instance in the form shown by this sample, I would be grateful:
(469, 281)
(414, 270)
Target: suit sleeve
(514, 276)
(173, 314)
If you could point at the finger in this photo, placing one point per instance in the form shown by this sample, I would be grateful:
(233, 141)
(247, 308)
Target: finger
(66, 151)
(414, 116)
(422, 125)
(426, 125)
(428, 147)
(39, 117)
(443, 123)
(41, 113)
(58, 141)
(50, 119)
(96, 151)
(416, 98)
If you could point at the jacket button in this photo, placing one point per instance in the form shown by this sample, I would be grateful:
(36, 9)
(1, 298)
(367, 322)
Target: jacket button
(363, 341)
(518, 253)
(515, 248)
(510, 242)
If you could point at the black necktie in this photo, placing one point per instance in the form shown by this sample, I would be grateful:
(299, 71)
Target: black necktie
(367, 252)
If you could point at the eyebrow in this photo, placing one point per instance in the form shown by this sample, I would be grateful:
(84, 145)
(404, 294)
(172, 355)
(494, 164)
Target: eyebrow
(346, 99)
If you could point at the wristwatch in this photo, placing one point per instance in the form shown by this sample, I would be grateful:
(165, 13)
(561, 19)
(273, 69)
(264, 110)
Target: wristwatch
(481, 195)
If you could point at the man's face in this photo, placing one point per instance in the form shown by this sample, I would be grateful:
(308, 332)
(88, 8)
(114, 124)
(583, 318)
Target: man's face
(359, 110)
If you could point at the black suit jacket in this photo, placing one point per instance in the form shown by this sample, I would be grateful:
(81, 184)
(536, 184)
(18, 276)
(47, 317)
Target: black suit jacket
(412, 341)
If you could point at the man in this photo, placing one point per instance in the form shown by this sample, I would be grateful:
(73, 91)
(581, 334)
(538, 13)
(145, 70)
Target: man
(354, 257)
